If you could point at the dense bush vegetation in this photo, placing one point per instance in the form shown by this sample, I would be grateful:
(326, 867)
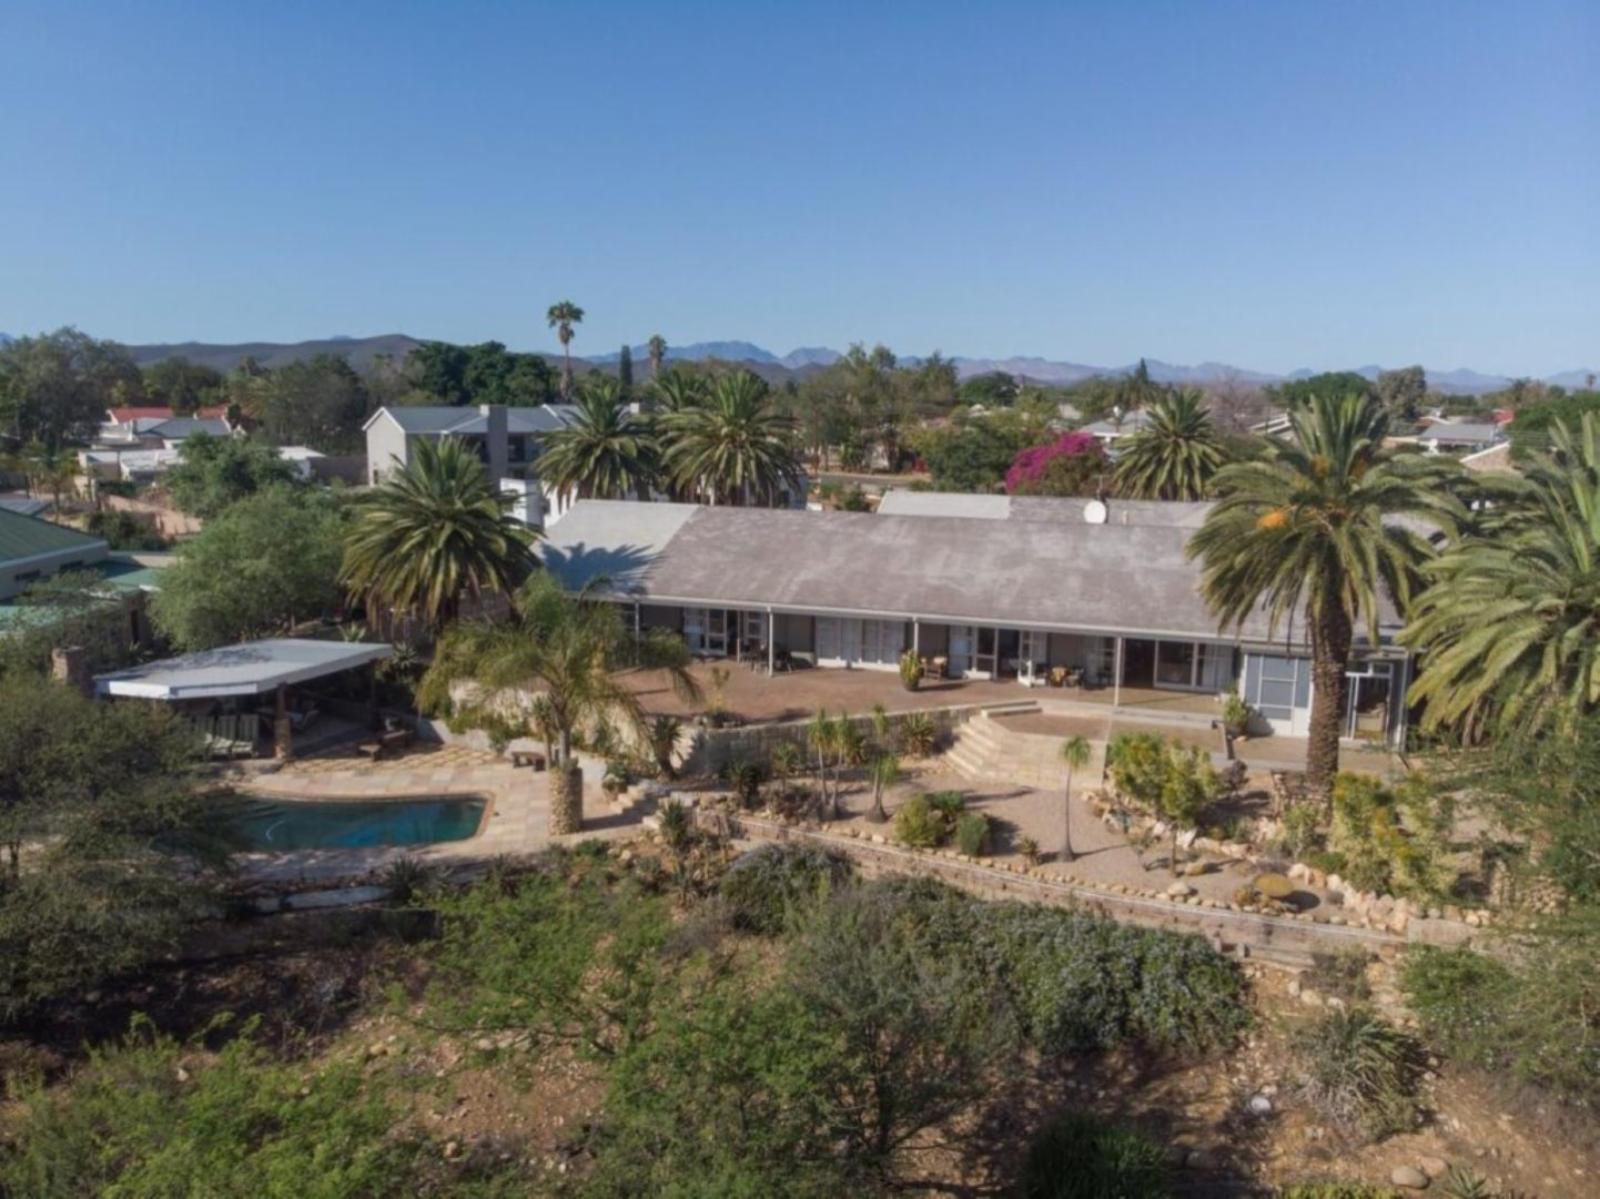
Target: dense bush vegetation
(1531, 1016)
(135, 1122)
(929, 820)
(1079, 1157)
(768, 887)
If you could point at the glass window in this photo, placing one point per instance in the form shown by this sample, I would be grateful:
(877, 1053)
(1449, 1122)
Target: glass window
(1175, 663)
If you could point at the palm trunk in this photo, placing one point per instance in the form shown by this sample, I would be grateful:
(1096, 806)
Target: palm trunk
(1066, 851)
(566, 791)
(1330, 653)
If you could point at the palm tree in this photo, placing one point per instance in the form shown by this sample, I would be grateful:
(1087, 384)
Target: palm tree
(435, 531)
(603, 452)
(736, 447)
(1175, 455)
(561, 317)
(1308, 529)
(1509, 630)
(657, 345)
(1075, 753)
(574, 653)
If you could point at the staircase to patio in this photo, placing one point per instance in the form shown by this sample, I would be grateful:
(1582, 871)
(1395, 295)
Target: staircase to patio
(986, 750)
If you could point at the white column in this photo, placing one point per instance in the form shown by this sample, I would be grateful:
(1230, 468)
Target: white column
(638, 619)
(772, 643)
(916, 636)
(1116, 676)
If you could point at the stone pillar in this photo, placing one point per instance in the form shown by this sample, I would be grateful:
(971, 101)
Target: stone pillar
(69, 664)
(566, 799)
(282, 730)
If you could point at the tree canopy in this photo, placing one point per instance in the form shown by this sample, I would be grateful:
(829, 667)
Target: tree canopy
(214, 473)
(268, 561)
(55, 388)
(103, 794)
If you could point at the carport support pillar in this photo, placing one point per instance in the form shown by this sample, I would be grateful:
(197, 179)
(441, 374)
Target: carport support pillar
(372, 698)
(916, 636)
(1116, 677)
(772, 645)
(282, 730)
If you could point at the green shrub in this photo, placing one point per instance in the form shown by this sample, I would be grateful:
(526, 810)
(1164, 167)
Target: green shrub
(765, 888)
(1358, 1072)
(1300, 830)
(918, 735)
(972, 834)
(916, 823)
(1337, 1190)
(1079, 982)
(929, 820)
(1077, 1156)
(1326, 861)
(1386, 837)
(129, 1123)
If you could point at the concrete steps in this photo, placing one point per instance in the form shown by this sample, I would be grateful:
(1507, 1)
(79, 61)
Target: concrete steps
(987, 752)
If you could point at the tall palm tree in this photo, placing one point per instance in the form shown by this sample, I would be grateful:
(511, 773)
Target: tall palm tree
(657, 346)
(573, 654)
(562, 316)
(1509, 629)
(435, 531)
(736, 447)
(604, 452)
(678, 391)
(1308, 529)
(1075, 753)
(1175, 455)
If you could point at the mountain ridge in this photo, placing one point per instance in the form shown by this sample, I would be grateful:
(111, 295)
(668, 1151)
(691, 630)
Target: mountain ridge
(361, 352)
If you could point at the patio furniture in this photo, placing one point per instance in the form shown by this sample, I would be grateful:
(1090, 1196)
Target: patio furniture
(936, 667)
(390, 739)
(528, 757)
(230, 736)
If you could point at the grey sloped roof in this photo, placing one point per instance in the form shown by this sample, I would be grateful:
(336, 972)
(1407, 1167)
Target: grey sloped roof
(1132, 579)
(445, 421)
(1464, 434)
(1045, 509)
(180, 427)
(901, 502)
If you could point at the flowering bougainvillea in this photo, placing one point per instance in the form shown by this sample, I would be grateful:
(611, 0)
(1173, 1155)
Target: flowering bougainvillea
(1076, 459)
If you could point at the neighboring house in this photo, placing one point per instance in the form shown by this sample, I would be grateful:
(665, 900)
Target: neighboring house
(153, 427)
(1005, 587)
(1106, 432)
(1451, 437)
(32, 549)
(133, 466)
(507, 441)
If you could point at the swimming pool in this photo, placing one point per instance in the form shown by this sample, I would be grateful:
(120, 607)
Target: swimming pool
(275, 826)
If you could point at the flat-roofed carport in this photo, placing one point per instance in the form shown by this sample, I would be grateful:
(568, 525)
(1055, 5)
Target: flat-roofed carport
(243, 671)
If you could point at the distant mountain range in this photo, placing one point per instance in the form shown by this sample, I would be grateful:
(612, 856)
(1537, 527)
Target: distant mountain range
(1461, 381)
(360, 352)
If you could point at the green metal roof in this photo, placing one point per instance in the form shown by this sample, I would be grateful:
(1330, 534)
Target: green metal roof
(28, 536)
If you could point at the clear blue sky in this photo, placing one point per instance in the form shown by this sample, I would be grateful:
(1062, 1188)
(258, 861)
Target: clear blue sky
(1273, 184)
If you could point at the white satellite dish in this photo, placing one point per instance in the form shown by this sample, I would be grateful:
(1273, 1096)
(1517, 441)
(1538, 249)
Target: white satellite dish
(1094, 512)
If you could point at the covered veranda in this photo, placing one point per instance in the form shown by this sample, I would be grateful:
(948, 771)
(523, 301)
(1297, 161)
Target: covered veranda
(230, 692)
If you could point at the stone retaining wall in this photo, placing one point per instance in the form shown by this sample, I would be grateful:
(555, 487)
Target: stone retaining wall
(714, 748)
(1281, 940)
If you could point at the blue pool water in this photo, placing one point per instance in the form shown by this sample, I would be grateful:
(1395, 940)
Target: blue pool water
(273, 826)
